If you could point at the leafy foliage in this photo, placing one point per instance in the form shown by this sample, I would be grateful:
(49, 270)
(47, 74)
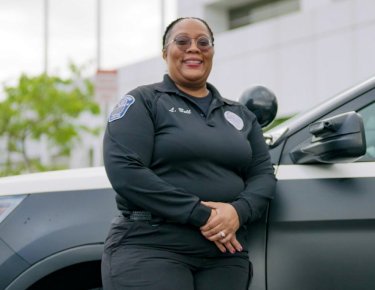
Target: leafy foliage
(44, 106)
(277, 122)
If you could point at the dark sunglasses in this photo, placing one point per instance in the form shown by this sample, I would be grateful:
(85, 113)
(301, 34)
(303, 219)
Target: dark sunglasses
(184, 42)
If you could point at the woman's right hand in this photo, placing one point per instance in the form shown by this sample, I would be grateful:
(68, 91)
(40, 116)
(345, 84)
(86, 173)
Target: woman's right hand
(222, 224)
(232, 245)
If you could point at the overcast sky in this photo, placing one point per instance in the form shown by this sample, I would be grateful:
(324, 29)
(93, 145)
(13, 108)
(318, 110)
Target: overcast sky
(131, 31)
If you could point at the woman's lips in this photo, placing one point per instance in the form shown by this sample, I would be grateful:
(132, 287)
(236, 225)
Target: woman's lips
(192, 62)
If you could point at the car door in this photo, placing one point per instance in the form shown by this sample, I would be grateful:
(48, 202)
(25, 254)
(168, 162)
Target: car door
(321, 231)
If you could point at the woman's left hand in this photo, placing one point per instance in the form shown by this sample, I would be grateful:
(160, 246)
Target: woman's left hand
(223, 226)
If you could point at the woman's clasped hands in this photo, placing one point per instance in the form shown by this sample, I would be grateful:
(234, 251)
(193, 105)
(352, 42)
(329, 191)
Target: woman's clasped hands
(222, 226)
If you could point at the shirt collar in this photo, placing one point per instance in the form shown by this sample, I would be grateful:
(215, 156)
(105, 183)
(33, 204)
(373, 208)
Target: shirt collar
(168, 86)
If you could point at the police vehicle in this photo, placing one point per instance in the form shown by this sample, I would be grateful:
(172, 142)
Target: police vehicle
(318, 232)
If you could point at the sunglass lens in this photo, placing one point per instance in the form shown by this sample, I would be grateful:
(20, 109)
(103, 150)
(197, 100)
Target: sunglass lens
(203, 43)
(183, 42)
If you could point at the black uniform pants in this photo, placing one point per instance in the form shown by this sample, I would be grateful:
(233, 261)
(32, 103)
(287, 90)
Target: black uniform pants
(145, 268)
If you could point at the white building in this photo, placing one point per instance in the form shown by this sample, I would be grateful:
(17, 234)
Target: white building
(303, 50)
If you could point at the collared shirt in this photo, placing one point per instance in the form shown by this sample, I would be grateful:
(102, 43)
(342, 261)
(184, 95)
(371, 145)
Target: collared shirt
(163, 155)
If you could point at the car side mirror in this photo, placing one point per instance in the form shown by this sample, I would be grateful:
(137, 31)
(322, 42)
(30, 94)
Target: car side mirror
(262, 102)
(337, 139)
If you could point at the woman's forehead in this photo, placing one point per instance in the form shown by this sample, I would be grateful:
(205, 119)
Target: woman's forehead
(190, 26)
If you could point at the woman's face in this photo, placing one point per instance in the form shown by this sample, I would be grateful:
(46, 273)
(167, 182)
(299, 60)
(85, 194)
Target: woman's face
(189, 68)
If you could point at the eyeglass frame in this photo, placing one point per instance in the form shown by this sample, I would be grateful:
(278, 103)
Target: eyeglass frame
(211, 44)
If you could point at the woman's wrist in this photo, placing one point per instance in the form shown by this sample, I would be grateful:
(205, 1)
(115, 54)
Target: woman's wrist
(200, 215)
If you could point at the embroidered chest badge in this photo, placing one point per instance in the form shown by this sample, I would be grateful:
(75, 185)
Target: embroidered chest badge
(119, 111)
(234, 120)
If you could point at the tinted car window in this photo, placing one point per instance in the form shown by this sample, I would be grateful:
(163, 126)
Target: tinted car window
(363, 104)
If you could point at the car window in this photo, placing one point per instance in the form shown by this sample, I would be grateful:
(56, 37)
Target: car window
(363, 104)
(368, 116)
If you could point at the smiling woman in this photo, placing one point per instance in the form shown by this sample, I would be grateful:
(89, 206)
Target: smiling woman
(190, 170)
(189, 62)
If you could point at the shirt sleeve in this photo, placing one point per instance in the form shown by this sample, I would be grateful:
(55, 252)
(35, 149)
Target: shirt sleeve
(260, 179)
(127, 152)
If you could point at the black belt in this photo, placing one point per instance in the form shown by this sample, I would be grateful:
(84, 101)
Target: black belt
(138, 215)
(141, 215)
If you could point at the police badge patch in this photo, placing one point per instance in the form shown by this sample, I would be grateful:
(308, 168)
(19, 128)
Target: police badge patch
(234, 120)
(121, 108)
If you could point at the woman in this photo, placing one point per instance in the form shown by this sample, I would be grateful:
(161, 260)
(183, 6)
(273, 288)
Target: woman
(190, 170)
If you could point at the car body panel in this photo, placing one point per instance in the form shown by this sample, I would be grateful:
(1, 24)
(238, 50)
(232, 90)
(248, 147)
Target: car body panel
(10, 265)
(46, 224)
(321, 224)
(321, 234)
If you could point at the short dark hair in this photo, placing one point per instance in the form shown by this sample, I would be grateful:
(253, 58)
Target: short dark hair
(174, 22)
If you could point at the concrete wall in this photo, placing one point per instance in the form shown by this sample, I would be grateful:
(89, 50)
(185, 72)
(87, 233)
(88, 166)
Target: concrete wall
(304, 57)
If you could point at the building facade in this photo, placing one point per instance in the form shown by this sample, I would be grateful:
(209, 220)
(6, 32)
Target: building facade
(303, 50)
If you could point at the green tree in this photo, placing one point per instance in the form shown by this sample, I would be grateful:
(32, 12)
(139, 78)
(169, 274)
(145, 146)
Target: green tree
(277, 122)
(44, 106)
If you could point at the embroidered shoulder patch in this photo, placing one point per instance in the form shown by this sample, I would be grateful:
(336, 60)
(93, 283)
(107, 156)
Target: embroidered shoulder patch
(119, 111)
(234, 120)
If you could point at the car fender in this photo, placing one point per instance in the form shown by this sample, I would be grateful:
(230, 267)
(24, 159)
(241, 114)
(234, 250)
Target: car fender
(56, 262)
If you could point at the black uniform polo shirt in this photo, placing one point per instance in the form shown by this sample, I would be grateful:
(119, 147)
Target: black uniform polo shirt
(164, 155)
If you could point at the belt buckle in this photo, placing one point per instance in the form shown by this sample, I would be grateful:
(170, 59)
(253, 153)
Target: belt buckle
(138, 215)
